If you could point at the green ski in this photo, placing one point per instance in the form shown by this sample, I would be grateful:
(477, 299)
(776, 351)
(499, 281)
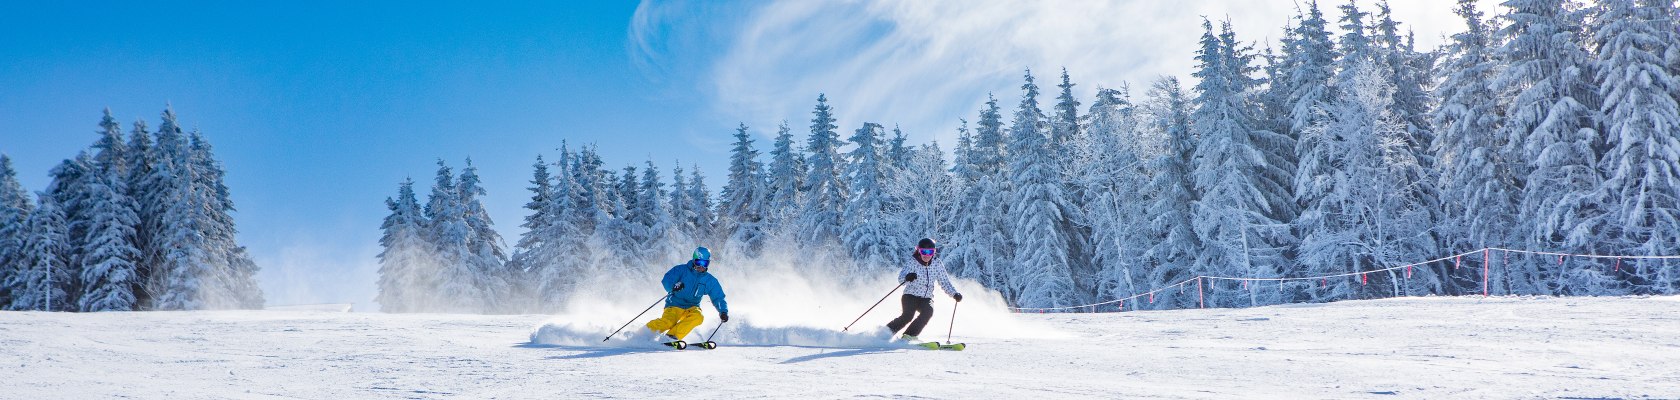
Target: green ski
(937, 346)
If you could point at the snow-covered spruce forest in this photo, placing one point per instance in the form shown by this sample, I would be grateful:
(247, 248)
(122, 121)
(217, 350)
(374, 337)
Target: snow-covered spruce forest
(141, 224)
(1550, 126)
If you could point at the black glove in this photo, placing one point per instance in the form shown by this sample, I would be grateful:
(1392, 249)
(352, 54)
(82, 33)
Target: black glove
(910, 277)
(677, 287)
(958, 297)
(724, 316)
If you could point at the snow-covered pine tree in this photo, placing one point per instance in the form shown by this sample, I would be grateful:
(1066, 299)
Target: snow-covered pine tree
(185, 260)
(198, 272)
(1551, 124)
(15, 208)
(1354, 46)
(110, 153)
(406, 264)
(964, 177)
(614, 239)
(1238, 177)
(628, 192)
(43, 281)
(485, 255)
(925, 197)
(591, 201)
(610, 233)
(1473, 173)
(1114, 176)
(1041, 273)
(785, 177)
(1641, 120)
(1173, 243)
(704, 211)
(897, 153)
(69, 189)
(109, 273)
(1352, 180)
(141, 159)
(679, 206)
(617, 235)
(1410, 73)
(244, 267)
(459, 287)
(109, 266)
(1355, 181)
(661, 238)
(1275, 149)
(566, 241)
(1064, 125)
(235, 273)
(866, 233)
(1065, 134)
(745, 198)
(1307, 69)
(1412, 199)
(825, 187)
(982, 249)
(534, 251)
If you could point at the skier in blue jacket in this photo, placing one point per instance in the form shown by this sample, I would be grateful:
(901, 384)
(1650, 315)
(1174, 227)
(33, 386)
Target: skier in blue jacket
(686, 283)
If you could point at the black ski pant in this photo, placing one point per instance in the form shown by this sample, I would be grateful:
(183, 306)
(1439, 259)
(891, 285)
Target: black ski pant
(912, 305)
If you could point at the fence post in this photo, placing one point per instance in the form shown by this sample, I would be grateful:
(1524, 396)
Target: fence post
(1485, 258)
(1201, 300)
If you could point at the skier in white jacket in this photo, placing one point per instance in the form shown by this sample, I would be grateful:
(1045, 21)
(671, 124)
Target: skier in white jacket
(919, 274)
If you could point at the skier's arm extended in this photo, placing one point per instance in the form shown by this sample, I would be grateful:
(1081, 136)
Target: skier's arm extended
(670, 279)
(945, 282)
(717, 298)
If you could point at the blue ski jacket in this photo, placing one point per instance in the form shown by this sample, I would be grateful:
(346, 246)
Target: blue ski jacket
(695, 284)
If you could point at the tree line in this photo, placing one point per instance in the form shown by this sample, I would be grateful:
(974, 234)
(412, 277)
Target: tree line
(1551, 126)
(138, 224)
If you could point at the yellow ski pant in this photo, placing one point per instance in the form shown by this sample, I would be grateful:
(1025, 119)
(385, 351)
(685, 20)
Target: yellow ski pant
(677, 321)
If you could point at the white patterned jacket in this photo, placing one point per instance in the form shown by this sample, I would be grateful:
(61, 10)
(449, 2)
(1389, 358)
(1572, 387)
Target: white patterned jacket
(926, 275)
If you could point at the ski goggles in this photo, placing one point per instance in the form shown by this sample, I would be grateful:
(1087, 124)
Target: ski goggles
(927, 252)
(702, 263)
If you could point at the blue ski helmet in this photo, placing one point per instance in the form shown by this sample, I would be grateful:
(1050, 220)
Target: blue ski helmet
(702, 253)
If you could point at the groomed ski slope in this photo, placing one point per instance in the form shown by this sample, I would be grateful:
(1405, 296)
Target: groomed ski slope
(1398, 348)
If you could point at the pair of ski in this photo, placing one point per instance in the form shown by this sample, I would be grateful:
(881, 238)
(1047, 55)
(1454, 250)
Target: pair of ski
(937, 346)
(681, 345)
(709, 345)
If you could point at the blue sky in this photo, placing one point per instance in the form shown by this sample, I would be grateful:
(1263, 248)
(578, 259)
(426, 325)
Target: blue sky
(318, 109)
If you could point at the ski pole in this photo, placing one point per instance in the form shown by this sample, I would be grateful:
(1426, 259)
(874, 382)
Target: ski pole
(633, 319)
(872, 308)
(715, 329)
(953, 325)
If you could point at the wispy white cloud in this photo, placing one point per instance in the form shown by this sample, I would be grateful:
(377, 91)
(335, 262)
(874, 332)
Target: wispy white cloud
(924, 64)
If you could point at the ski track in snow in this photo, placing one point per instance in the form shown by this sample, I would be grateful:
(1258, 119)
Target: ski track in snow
(1502, 347)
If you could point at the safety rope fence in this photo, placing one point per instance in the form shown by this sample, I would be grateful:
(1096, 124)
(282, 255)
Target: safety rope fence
(1141, 301)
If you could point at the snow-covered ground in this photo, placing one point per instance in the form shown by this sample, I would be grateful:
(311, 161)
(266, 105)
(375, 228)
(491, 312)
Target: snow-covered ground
(1400, 348)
